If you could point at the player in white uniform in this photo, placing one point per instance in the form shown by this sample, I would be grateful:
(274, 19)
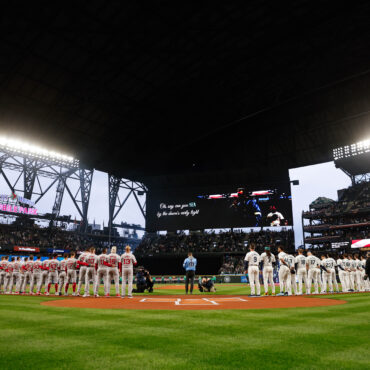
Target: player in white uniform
(342, 274)
(102, 273)
(28, 266)
(37, 276)
(113, 271)
(54, 267)
(71, 265)
(9, 277)
(128, 261)
(62, 278)
(313, 264)
(17, 277)
(92, 264)
(251, 262)
(326, 275)
(82, 266)
(3, 267)
(352, 273)
(284, 273)
(347, 266)
(300, 262)
(331, 267)
(290, 259)
(268, 262)
(44, 274)
(358, 274)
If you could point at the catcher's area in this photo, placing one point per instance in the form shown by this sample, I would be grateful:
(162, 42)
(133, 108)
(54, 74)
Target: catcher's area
(193, 302)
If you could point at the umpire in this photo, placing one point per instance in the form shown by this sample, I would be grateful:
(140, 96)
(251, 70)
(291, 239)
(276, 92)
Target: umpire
(190, 265)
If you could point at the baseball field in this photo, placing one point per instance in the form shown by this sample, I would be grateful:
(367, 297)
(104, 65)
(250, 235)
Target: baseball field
(37, 335)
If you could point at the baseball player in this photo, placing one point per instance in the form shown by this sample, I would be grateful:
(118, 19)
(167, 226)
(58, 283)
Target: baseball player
(28, 265)
(284, 273)
(352, 274)
(300, 263)
(313, 267)
(37, 276)
(347, 269)
(128, 261)
(358, 274)
(62, 278)
(102, 273)
(3, 267)
(71, 277)
(326, 275)
(268, 263)
(92, 261)
(9, 276)
(342, 273)
(82, 266)
(331, 267)
(114, 261)
(290, 259)
(44, 274)
(17, 276)
(251, 262)
(53, 267)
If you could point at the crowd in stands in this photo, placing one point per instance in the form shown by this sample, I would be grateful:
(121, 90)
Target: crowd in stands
(34, 236)
(343, 221)
(232, 265)
(204, 242)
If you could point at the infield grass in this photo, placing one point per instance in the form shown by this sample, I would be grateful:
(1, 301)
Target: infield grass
(35, 336)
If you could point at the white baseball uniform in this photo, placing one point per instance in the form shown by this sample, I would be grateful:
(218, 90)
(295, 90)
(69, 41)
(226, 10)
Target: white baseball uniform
(3, 268)
(313, 264)
(102, 273)
(44, 275)
(27, 275)
(9, 277)
(284, 274)
(128, 261)
(253, 259)
(268, 271)
(342, 273)
(347, 266)
(300, 260)
(62, 278)
(113, 271)
(332, 264)
(37, 276)
(91, 260)
(71, 274)
(290, 259)
(54, 265)
(82, 272)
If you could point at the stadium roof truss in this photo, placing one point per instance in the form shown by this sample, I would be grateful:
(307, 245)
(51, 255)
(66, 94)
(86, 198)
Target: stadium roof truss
(31, 168)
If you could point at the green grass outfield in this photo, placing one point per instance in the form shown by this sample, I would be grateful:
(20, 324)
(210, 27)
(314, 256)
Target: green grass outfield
(35, 336)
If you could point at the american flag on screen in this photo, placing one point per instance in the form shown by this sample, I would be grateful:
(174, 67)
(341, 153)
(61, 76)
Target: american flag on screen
(361, 243)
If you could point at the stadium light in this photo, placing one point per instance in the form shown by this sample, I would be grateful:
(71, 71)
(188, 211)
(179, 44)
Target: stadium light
(352, 150)
(21, 147)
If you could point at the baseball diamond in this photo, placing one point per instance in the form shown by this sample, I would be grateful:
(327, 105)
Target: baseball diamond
(185, 185)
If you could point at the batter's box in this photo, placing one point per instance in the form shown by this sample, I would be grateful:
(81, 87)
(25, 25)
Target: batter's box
(159, 300)
(195, 302)
(229, 299)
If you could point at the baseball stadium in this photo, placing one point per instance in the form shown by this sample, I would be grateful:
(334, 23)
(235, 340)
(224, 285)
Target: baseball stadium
(185, 186)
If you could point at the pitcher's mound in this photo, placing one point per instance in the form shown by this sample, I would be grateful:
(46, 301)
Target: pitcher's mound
(186, 302)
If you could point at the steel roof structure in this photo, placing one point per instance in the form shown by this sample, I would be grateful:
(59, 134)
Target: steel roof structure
(174, 94)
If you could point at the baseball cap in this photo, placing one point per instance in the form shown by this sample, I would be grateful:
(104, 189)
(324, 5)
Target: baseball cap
(267, 248)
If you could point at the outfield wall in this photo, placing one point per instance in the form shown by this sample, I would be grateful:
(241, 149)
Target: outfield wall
(208, 264)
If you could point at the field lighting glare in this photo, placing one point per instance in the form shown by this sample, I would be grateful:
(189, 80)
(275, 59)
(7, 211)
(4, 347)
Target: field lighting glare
(352, 150)
(29, 149)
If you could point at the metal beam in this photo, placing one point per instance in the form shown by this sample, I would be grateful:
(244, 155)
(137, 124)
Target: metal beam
(29, 176)
(85, 186)
(113, 188)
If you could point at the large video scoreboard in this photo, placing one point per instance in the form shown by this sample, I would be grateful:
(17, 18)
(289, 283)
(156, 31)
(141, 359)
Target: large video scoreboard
(241, 207)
